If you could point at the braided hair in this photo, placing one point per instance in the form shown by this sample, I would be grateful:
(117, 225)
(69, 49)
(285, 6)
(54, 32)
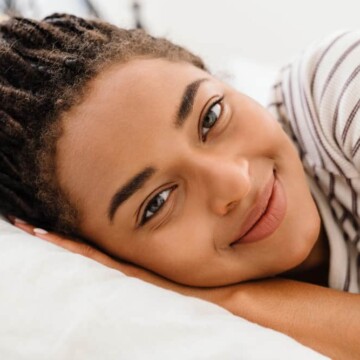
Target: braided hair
(45, 67)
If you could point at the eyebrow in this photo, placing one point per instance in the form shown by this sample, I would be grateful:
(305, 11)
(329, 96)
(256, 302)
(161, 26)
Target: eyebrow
(139, 180)
(187, 102)
(127, 190)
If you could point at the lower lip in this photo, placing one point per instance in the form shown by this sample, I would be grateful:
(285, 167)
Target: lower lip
(271, 219)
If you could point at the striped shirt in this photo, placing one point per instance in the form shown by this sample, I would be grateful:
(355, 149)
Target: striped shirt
(317, 100)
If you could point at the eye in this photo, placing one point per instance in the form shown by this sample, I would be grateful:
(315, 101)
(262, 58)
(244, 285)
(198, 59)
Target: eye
(155, 204)
(210, 118)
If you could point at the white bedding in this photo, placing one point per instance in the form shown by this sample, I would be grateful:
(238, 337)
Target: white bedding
(58, 305)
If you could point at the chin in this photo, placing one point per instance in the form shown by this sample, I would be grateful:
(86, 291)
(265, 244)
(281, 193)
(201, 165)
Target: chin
(300, 252)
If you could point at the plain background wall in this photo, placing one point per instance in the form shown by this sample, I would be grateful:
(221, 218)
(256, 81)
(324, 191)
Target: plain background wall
(265, 31)
(268, 31)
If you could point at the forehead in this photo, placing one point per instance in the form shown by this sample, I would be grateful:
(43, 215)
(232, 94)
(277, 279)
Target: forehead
(127, 112)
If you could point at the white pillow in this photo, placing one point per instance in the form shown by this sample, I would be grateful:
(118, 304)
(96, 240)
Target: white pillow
(58, 305)
(55, 304)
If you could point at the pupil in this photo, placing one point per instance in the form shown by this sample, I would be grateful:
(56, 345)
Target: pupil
(155, 203)
(210, 119)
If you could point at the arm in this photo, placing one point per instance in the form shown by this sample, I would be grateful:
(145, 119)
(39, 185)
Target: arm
(324, 319)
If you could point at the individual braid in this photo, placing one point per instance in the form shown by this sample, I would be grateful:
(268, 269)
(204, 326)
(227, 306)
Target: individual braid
(45, 67)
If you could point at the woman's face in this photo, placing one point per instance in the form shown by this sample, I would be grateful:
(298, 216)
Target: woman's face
(166, 162)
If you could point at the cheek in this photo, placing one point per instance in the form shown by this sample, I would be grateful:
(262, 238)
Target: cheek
(180, 252)
(256, 132)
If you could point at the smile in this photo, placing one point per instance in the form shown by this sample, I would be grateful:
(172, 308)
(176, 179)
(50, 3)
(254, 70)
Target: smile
(267, 215)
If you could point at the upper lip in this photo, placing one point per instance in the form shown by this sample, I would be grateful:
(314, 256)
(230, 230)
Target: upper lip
(257, 210)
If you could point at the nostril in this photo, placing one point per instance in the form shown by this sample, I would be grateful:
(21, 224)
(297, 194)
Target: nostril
(231, 205)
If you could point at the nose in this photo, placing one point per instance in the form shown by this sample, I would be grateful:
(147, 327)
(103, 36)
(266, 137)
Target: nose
(225, 182)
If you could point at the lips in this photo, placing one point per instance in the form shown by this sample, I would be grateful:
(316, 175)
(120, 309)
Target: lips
(257, 212)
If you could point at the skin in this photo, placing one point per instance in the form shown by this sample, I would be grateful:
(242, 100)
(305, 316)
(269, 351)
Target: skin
(125, 124)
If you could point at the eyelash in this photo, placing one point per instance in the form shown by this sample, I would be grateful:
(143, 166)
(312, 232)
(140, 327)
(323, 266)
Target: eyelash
(218, 103)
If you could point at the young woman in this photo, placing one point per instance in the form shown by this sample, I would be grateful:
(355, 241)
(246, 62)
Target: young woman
(132, 153)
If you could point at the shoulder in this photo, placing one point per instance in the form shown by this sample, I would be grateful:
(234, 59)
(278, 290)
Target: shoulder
(330, 64)
(317, 97)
